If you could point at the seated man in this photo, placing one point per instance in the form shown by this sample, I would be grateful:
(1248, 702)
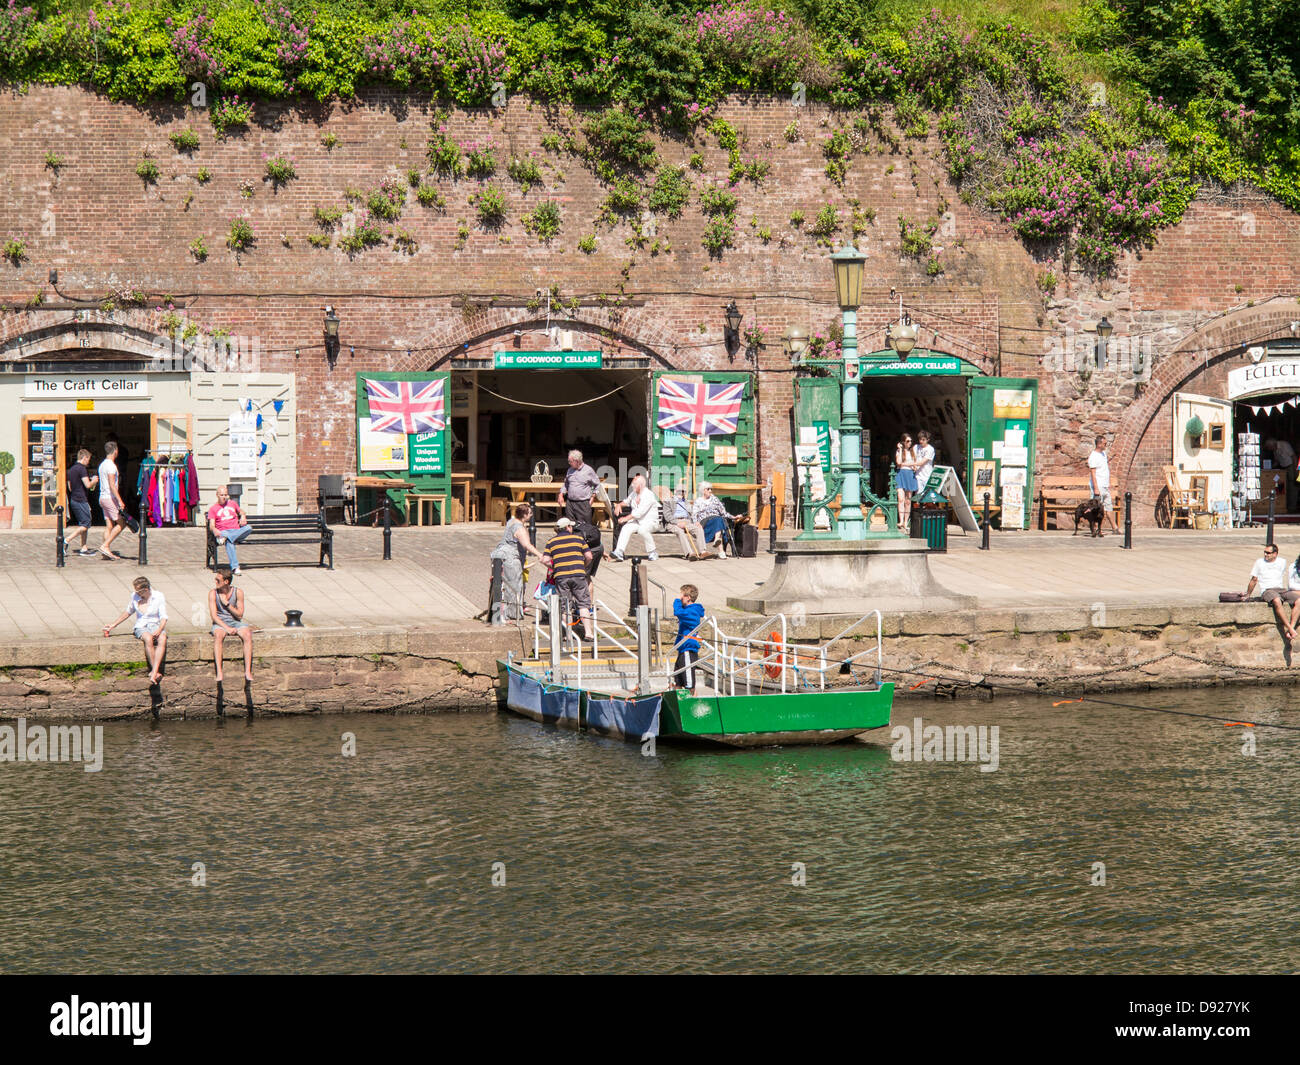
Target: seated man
(690, 533)
(1269, 576)
(641, 517)
(567, 556)
(228, 525)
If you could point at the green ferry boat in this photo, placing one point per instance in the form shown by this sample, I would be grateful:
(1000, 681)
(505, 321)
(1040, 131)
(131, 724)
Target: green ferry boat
(752, 691)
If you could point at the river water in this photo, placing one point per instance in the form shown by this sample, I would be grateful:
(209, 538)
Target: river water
(616, 861)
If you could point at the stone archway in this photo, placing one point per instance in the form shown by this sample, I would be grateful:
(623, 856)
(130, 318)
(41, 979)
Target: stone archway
(1199, 363)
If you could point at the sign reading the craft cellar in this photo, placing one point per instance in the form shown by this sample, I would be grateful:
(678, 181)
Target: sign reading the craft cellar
(427, 452)
(84, 385)
(1273, 375)
(925, 365)
(547, 360)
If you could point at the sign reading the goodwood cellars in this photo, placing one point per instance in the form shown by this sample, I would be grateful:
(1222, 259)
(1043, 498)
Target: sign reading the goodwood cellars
(925, 365)
(547, 360)
(1271, 375)
(86, 385)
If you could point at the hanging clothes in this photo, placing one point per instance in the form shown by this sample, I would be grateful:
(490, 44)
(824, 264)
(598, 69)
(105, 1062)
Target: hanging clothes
(191, 481)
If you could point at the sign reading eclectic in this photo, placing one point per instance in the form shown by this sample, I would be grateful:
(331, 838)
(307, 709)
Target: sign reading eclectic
(547, 360)
(1272, 375)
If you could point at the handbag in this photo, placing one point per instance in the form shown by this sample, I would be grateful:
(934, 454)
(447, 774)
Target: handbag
(1232, 597)
(543, 592)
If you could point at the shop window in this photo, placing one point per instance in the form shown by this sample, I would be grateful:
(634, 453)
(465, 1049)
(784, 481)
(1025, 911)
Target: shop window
(172, 434)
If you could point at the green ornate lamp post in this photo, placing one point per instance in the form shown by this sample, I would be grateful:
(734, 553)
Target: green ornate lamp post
(848, 263)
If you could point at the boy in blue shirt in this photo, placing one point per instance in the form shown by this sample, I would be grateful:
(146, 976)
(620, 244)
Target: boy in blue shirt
(689, 614)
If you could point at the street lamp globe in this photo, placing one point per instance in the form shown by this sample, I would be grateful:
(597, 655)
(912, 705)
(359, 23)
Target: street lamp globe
(848, 262)
(902, 335)
(796, 342)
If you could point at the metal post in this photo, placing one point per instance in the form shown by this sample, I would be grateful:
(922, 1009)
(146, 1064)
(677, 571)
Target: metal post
(60, 547)
(388, 531)
(496, 609)
(634, 591)
(984, 543)
(532, 520)
(142, 558)
(850, 517)
(556, 629)
(1128, 521)
(642, 647)
(771, 526)
(1272, 501)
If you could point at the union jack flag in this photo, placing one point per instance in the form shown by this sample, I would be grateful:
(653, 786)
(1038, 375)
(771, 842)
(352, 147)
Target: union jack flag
(406, 406)
(698, 408)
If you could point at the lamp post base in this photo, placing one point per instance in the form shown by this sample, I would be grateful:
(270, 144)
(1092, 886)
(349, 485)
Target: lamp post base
(850, 577)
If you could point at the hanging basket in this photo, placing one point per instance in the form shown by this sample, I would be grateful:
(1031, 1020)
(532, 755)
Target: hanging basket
(541, 474)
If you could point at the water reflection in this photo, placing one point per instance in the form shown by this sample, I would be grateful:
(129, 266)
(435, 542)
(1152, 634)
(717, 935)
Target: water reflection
(682, 861)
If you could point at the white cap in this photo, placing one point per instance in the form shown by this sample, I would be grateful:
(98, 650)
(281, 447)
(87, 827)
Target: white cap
(564, 523)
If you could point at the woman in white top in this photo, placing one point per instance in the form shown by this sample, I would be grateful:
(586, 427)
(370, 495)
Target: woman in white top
(925, 459)
(150, 610)
(905, 481)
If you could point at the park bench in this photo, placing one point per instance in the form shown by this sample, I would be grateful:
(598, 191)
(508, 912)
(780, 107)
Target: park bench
(1062, 494)
(277, 529)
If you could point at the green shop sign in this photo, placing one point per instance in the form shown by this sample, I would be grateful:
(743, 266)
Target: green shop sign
(925, 366)
(546, 360)
(427, 452)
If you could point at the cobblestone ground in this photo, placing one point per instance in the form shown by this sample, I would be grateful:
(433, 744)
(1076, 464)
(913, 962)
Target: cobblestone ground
(440, 575)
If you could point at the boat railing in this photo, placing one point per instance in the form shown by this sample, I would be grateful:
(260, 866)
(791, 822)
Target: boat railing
(877, 649)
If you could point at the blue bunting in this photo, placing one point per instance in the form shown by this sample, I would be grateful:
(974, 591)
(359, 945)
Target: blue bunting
(261, 451)
(259, 421)
(278, 404)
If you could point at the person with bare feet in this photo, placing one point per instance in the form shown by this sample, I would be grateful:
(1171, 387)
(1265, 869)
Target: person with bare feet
(150, 610)
(226, 606)
(1269, 575)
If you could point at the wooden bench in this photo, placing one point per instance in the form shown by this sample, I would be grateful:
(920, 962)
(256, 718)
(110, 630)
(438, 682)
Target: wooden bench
(279, 529)
(1060, 495)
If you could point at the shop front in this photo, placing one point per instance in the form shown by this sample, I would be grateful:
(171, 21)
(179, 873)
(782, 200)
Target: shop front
(161, 421)
(982, 427)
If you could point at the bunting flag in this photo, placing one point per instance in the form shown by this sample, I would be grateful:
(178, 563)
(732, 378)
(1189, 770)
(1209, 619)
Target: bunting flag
(259, 421)
(278, 404)
(1254, 410)
(261, 450)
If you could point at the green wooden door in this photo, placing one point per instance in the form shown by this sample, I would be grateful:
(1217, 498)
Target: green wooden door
(670, 450)
(424, 459)
(1002, 413)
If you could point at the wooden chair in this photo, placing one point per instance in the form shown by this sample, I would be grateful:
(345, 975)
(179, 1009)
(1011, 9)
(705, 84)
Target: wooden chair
(1183, 502)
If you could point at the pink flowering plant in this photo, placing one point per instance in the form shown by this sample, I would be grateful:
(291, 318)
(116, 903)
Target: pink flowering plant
(16, 22)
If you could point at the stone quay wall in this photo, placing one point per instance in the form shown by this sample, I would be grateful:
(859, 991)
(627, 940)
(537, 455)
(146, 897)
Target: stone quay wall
(978, 653)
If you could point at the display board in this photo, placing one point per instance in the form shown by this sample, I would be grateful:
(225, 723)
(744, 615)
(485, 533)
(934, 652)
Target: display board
(944, 480)
(418, 458)
(1001, 416)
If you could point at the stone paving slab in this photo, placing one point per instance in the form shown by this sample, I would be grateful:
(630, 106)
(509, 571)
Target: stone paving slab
(439, 576)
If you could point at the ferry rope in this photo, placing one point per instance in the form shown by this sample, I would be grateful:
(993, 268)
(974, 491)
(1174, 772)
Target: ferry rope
(555, 406)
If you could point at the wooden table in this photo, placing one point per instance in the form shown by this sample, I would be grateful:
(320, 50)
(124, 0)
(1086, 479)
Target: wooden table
(421, 499)
(521, 490)
(462, 482)
(732, 488)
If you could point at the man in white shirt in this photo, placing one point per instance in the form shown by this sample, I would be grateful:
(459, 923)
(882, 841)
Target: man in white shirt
(1270, 577)
(642, 517)
(110, 501)
(1099, 479)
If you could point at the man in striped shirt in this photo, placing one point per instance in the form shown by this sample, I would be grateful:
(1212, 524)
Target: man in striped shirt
(567, 556)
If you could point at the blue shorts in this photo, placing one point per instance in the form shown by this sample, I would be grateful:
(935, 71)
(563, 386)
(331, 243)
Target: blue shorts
(80, 513)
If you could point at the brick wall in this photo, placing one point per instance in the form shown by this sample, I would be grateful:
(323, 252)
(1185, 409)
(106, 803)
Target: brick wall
(105, 230)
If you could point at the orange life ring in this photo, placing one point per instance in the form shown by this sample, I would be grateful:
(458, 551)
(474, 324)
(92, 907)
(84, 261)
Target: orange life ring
(775, 647)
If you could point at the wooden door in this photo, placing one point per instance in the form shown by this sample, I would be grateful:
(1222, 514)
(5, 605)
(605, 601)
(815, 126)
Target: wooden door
(44, 484)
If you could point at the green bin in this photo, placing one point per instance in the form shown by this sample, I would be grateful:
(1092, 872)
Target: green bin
(930, 521)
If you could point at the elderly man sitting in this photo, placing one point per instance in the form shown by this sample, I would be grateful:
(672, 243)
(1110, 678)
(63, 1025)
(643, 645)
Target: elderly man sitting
(690, 533)
(642, 516)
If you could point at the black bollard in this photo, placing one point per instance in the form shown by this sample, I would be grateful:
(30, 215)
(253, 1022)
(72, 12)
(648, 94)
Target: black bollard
(388, 531)
(142, 557)
(1272, 500)
(60, 548)
(984, 543)
(771, 527)
(634, 592)
(532, 520)
(495, 609)
(1128, 521)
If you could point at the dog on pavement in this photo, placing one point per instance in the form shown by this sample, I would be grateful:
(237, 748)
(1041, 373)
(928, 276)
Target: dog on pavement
(1090, 511)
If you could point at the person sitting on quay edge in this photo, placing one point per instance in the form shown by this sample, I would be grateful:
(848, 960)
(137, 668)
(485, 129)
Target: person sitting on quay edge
(710, 513)
(150, 610)
(228, 524)
(226, 608)
(80, 481)
(580, 484)
(1269, 575)
(641, 506)
(567, 556)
